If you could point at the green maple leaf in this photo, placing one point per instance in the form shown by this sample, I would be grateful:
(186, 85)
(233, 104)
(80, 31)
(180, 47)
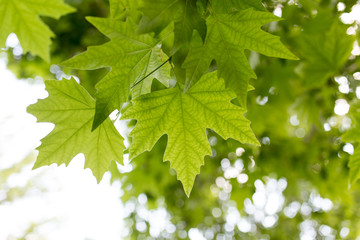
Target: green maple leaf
(228, 35)
(71, 108)
(227, 6)
(183, 13)
(326, 53)
(353, 136)
(130, 57)
(22, 18)
(184, 118)
(121, 9)
(354, 163)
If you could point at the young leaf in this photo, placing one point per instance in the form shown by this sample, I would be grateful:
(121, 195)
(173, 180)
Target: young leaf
(184, 118)
(354, 165)
(71, 109)
(228, 6)
(22, 18)
(353, 136)
(325, 53)
(228, 35)
(121, 9)
(183, 13)
(130, 57)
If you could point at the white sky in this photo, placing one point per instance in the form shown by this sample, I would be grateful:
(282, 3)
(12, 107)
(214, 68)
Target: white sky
(73, 205)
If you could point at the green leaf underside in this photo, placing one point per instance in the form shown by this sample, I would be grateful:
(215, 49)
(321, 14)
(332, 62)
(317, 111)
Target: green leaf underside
(130, 57)
(228, 35)
(353, 135)
(227, 6)
(120, 9)
(71, 109)
(184, 118)
(22, 18)
(183, 13)
(354, 165)
(325, 53)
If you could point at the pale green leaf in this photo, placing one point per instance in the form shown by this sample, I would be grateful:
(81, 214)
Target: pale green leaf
(352, 135)
(22, 18)
(183, 13)
(227, 6)
(325, 53)
(228, 35)
(184, 118)
(71, 109)
(162, 74)
(130, 57)
(120, 9)
(354, 165)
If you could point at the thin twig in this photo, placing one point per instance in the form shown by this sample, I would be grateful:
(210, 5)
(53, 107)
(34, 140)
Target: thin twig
(151, 72)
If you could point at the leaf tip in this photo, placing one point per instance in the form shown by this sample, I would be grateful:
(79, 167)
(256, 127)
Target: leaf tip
(294, 57)
(98, 179)
(38, 163)
(36, 166)
(99, 118)
(94, 126)
(257, 143)
(187, 185)
(187, 190)
(29, 109)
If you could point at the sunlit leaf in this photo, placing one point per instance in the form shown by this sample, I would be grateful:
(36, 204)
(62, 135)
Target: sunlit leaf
(228, 35)
(325, 53)
(22, 18)
(184, 118)
(130, 56)
(71, 109)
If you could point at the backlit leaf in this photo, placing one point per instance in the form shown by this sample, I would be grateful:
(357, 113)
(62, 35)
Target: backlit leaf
(22, 18)
(71, 109)
(184, 118)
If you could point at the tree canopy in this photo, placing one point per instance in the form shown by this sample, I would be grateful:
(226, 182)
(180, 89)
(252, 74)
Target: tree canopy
(241, 117)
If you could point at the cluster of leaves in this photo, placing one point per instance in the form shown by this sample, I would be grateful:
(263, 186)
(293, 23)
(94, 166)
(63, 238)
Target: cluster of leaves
(311, 162)
(22, 18)
(146, 42)
(180, 67)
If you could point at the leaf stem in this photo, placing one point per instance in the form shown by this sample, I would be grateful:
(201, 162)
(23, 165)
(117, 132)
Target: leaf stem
(136, 83)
